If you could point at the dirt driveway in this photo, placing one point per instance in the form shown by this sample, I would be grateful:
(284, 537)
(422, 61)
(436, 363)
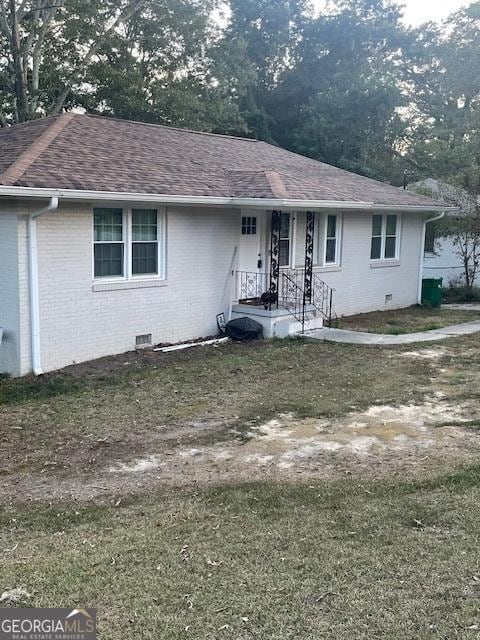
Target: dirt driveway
(239, 413)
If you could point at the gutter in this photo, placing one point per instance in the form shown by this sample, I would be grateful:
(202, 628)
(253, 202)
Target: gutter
(249, 203)
(33, 282)
(439, 216)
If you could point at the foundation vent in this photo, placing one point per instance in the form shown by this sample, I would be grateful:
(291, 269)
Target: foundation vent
(145, 340)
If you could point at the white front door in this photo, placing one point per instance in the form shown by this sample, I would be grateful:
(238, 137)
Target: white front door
(251, 261)
(249, 246)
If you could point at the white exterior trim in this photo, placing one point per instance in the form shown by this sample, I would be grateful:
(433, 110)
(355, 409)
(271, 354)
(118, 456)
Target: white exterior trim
(382, 261)
(128, 276)
(34, 286)
(262, 203)
(439, 216)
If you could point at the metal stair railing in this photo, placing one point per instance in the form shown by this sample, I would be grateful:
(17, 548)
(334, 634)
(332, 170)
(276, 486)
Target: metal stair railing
(293, 298)
(322, 298)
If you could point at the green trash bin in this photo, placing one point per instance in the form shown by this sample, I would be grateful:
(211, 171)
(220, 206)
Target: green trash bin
(432, 292)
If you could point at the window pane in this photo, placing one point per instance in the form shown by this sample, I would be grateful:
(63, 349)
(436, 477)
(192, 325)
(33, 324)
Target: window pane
(377, 225)
(430, 239)
(330, 250)
(317, 244)
(108, 260)
(390, 247)
(376, 249)
(284, 225)
(144, 258)
(284, 254)
(108, 225)
(391, 225)
(249, 225)
(331, 226)
(144, 225)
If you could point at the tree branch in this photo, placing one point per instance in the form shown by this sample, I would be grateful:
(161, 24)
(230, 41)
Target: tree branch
(128, 13)
(48, 15)
(3, 20)
(20, 88)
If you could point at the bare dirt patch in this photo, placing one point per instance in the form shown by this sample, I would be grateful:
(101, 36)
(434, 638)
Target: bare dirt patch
(383, 441)
(244, 413)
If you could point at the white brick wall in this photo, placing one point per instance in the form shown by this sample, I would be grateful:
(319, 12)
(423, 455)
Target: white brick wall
(79, 324)
(359, 285)
(9, 292)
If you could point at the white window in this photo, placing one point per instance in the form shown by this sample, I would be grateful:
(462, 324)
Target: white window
(327, 239)
(144, 242)
(109, 245)
(385, 244)
(284, 253)
(331, 239)
(249, 225)
(128, 243)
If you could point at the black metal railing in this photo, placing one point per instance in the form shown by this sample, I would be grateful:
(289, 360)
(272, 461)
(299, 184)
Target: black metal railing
(322, 298)
(292, 297)
(251, 286)
(254, 288)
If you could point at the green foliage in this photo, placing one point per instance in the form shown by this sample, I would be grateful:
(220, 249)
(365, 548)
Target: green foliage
(461, 294)
(352, 86)
(444, 81)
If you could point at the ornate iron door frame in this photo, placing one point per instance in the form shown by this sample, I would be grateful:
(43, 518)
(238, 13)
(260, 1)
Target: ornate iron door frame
(274, 256)
(309, 235)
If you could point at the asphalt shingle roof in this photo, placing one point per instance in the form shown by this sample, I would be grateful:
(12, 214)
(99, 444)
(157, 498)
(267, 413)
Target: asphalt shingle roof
(93, 153)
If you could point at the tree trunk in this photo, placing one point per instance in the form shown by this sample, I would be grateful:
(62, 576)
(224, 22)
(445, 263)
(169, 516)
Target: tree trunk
(20, 88)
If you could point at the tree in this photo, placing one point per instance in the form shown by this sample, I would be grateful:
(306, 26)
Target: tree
(260, 44)
(34, 32)
(463, 228)
(443, 80)
(158, 68)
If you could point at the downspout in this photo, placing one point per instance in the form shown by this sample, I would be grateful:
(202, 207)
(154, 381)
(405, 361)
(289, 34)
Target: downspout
(34, 293)
(422, 254)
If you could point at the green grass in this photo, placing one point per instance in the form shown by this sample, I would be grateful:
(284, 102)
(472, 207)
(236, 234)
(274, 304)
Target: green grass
(409, 320)
(18, 390)
(338, 560)
(349, 558)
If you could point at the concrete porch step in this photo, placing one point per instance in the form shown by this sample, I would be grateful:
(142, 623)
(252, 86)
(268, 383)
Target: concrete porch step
(278, 323)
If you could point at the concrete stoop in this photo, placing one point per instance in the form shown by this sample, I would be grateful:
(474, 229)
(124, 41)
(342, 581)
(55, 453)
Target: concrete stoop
(278, 323)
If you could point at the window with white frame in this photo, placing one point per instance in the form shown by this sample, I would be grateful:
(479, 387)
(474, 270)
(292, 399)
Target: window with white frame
(249, 225)
(327, 239)
(331, 239)
(127, 243)
(109, 243)
(144, 242)
(384, 237)
(284, 248)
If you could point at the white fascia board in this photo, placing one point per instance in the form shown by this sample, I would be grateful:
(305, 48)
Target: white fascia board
(411, 208)
(253, 203)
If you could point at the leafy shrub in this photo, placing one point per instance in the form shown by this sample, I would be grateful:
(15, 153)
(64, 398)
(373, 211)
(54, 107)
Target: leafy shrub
(461, 294)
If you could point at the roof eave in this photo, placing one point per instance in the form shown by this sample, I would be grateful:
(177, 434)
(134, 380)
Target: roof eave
(254, 203)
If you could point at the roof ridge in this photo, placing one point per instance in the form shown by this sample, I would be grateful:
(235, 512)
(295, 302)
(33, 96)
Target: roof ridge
(33, 152)
(310, 180)
(276, 184)
(166, 126)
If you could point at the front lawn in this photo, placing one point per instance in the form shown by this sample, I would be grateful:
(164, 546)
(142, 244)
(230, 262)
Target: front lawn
(409, 320)
(69, 421)
(280, 490)
(338, 560)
